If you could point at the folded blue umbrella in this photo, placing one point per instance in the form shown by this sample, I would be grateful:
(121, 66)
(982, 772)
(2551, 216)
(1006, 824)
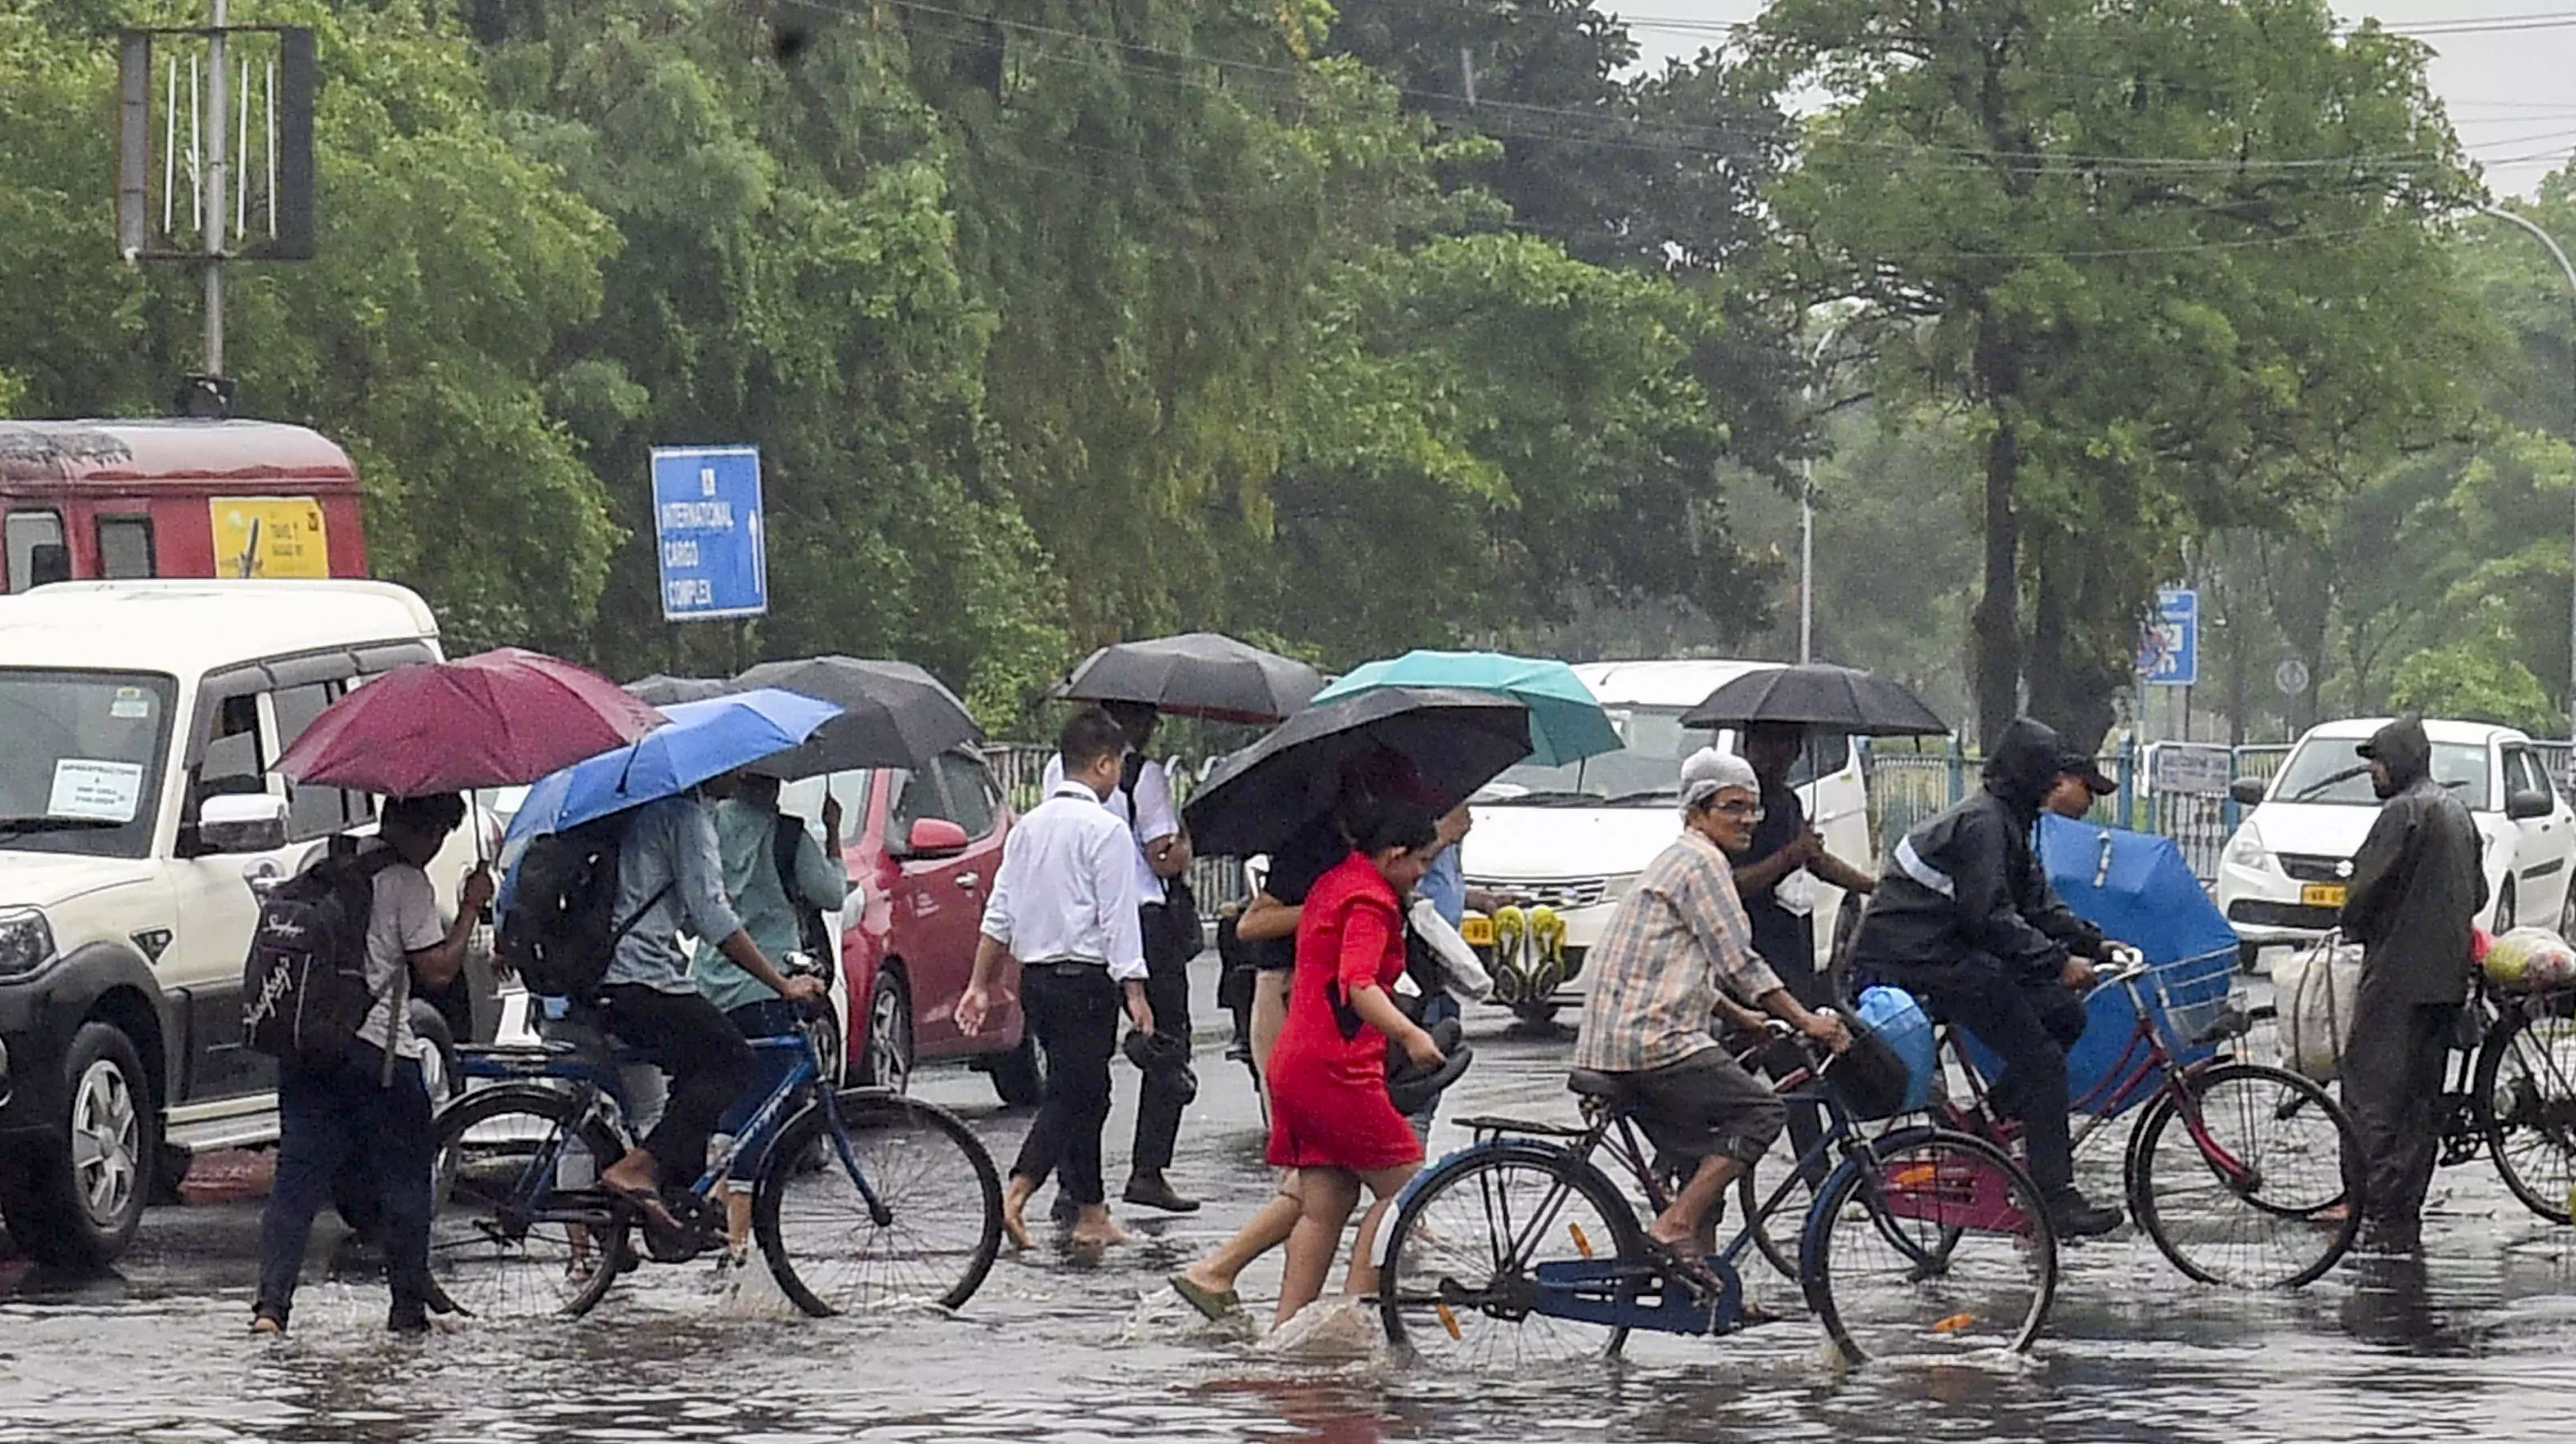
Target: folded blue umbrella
(1566, 722)
(702, 740)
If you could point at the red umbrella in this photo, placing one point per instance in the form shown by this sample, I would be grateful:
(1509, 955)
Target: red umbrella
(494, 720)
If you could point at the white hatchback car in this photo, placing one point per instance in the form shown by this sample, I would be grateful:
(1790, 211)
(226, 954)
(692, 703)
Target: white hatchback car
(2285, 872)
(1573, 838)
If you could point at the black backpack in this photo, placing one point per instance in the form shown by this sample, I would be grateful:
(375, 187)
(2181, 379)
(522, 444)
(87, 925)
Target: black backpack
(304, 984)
(812, 933)
(562, 927)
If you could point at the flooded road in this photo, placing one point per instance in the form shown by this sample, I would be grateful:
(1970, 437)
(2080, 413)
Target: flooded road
(2475, 1345)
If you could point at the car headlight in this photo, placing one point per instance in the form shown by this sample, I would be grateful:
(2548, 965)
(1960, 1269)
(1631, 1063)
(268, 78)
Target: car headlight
(26, 942)
(2248, 852)
(1615, 888)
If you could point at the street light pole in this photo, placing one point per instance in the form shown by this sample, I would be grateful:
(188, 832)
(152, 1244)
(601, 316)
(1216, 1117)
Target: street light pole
(1807, 513)
(2558, 254)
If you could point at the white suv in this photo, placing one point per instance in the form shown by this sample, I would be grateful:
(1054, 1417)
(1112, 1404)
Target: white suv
(1574, 838)
(138, 816)
(2285, 872)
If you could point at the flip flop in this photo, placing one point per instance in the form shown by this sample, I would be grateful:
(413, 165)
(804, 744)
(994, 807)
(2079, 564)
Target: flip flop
(1215, 1306)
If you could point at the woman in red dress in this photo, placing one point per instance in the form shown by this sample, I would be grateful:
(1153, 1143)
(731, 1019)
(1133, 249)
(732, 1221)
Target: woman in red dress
(1330, 1119)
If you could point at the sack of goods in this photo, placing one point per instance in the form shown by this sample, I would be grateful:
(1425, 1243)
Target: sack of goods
(2531, 960)
(2313, 991)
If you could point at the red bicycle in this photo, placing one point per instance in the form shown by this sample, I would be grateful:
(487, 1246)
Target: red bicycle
(2244, 1174)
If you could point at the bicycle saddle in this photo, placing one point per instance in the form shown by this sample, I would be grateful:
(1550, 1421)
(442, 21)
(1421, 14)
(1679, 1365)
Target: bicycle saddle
(1590, 1084)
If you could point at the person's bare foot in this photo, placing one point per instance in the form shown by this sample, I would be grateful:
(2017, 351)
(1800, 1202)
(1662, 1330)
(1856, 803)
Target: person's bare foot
(1096, 1229)
(1014, 1226)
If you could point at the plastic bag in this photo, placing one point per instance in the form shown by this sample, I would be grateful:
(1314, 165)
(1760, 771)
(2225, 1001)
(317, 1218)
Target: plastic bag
(2313, 992)
(2530, 960)
(1463, 973)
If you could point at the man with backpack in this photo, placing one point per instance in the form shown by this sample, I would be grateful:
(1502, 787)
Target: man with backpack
(1167, 912)
(782, 883)
(358, 1092)
(670, 878)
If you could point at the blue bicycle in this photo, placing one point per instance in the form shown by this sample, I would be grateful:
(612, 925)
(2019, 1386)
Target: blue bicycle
(1522, 1250)
(862, 1199)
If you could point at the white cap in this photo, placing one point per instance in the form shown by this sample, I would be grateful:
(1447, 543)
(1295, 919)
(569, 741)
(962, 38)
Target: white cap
(1708, 771)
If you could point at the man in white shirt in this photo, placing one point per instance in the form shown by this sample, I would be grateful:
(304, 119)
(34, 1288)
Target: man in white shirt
(1064, 907)
(1169, 920)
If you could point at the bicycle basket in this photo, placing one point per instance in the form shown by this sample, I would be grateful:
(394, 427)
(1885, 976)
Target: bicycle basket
(2193, 993)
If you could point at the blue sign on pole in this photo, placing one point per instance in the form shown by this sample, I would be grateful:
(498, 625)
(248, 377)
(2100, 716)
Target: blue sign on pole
(709, 532)
(2169, 654)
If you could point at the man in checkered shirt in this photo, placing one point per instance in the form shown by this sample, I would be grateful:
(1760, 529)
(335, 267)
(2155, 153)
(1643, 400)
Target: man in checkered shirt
(1676, 957)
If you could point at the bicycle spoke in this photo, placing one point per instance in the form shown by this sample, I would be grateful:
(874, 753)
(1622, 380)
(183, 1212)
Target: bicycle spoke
(941, 1221)
(1460, 1285)
(1935, 1248)
(2243, 1182)
(506, 1239)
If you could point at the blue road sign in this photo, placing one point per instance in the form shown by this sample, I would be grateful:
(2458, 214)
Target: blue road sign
(2169, 654)
(709, 532)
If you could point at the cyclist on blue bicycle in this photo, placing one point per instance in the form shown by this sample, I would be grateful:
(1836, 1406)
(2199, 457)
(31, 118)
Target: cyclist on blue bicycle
(1965, 917)
(1675, 949)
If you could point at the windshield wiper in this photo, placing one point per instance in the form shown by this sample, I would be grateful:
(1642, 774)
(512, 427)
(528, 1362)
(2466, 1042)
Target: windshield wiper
(18, 826)
(2322, 783)
(1651, 794)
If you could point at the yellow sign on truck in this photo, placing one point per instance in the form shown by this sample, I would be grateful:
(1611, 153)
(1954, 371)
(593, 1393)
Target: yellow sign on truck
(270, 536)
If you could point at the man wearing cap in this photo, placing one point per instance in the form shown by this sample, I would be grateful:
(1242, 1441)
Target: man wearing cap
(2076, 790)
(1965, 917)
(1677, 952)
(2417, 888)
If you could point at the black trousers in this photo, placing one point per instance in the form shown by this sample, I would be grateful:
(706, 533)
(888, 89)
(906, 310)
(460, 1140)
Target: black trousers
(1073, 1008)
(1167, 991)
(2392, 1082)
(708, 1062)
(2029, 1023)
(327, 1117)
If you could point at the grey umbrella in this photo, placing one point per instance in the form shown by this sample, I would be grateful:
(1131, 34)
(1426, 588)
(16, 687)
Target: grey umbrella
(1840, 699)
(665, 691)
(893, 714)
(1450, 743)
(1196, 674)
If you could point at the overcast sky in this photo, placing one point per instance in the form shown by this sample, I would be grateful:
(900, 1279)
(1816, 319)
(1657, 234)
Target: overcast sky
(2511, 92)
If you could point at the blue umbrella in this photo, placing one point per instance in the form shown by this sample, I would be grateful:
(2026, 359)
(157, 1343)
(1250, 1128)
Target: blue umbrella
(1566, 722)
(702, 740)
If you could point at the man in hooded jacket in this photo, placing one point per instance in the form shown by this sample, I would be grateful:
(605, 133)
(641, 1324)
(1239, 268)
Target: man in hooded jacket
(2417, 888)
(1964, 916)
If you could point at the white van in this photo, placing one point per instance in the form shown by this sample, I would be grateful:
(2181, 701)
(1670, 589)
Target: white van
(138, 820)
(1573, 838)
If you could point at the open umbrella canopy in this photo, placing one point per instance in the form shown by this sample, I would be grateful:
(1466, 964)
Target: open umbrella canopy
(1196, 674)
(1566, 723)
(893, 714)
(702, 740)
(1842, 699)
(495, 719)
(663, 691)
(1452, 741)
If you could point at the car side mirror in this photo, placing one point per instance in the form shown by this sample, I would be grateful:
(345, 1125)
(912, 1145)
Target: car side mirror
(241, 822)
(2246, 790)
(934, 837)
(2528, 803)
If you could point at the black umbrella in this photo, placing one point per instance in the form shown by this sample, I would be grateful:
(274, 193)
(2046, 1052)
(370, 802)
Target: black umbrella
(1840, 699)
(1196, 674)
(666, 691)
(893, 714)
(1260, 797)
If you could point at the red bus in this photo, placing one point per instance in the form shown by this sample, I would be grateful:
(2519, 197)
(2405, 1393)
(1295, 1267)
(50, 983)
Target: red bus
(176, 498)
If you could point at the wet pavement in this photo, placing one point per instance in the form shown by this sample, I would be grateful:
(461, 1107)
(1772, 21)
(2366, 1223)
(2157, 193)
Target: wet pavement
(2473, 1345)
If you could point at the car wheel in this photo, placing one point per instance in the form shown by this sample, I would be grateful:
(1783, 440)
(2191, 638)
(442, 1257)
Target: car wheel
(1019, 1076)
(2249, 956)
(438, 1072)
(887, 1059)
(2506, 914)
(2567, 913)
(79, 1207)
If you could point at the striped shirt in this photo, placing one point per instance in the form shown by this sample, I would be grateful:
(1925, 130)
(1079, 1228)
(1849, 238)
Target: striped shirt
(1677, 938)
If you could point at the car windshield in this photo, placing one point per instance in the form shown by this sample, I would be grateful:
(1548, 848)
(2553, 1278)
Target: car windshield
(82, 771)
(1646, 772)
(2324, 770)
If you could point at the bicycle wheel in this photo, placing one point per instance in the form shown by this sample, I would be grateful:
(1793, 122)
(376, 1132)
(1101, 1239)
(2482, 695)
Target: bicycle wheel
(1458, 1282)
(1774, 1237)
(1931, 1243)
(510, 1235)
(2525, 1097)
(941, 1219)
(2248, 1182)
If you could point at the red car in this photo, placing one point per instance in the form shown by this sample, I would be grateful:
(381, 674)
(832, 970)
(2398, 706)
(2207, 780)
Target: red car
(922, 849)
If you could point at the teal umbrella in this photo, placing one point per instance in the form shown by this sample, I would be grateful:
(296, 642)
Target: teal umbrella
(1566, 723)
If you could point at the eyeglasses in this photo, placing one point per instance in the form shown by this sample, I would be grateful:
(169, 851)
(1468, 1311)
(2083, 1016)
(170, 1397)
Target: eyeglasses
(1749, 811)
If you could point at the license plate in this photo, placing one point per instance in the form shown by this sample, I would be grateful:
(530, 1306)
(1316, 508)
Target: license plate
(1479, 932)
(2321, 895)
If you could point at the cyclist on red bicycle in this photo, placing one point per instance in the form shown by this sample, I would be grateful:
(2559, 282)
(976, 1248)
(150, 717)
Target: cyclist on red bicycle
(1965, 917)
